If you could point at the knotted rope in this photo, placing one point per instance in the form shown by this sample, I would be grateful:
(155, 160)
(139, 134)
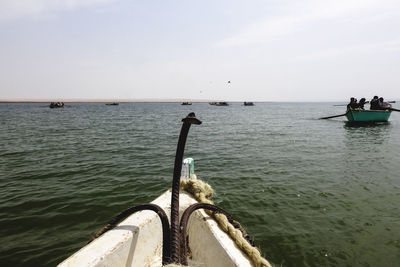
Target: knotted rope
(203, 192)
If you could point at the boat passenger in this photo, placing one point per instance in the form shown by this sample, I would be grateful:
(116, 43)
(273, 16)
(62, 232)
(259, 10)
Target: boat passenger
(361, 103)
(374, 103)
(383, 105)
(352, 104)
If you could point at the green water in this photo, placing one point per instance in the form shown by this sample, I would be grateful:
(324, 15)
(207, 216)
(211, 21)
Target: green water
(311, 192)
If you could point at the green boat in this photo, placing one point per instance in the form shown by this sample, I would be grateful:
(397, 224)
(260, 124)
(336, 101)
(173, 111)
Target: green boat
(368, 116)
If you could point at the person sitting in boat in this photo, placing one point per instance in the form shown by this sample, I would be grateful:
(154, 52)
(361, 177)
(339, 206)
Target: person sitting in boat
(361, 103)
(383, 105)
(374, 103)
(352, 104)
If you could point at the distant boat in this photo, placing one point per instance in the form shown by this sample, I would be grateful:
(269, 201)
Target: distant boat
(56, 105)
(248, 103)
(221, 104)
(112, 104)
(186, 103)
(368, 116)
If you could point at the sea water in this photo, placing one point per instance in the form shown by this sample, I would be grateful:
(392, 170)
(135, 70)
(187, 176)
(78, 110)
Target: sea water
(310, 192)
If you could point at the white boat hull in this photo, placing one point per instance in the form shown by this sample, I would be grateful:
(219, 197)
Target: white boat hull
(137, 241)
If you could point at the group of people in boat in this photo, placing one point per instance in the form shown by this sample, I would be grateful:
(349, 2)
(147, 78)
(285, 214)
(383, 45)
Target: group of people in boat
(377, 103)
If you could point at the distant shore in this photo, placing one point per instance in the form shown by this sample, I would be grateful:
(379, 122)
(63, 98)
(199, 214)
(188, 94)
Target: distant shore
(99, 100)
(146, 100)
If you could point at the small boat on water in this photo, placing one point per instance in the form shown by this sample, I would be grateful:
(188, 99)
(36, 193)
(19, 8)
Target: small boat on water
(181, 226)
(186, 103)
(56, 105)
(248, 104)
(218, 103)
(221, 104)
(112, 104)
(367, 116)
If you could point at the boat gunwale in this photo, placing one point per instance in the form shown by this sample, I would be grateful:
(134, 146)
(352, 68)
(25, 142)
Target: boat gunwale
(369, 110)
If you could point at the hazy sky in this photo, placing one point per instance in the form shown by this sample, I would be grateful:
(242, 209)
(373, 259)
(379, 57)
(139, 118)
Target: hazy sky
(270, 50)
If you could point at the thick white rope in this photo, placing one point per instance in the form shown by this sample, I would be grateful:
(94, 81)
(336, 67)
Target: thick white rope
(203, 192)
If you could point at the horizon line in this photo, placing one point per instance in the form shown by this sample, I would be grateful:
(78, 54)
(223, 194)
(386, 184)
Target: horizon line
(141, 100)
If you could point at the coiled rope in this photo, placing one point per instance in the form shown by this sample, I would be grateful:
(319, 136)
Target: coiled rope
(203, 192)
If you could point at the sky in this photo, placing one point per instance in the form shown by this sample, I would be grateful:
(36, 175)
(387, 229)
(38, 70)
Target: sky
(269, 50)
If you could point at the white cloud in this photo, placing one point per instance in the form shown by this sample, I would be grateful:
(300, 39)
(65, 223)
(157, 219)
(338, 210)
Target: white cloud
(306, 14)
(14, 9)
